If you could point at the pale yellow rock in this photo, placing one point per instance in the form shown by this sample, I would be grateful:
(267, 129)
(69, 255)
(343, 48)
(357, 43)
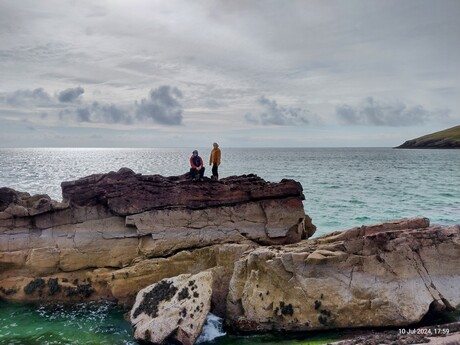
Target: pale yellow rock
(43, 260)
(62, 238)
(126, 282)
(99, 253)
(387, 277)
(11, 260)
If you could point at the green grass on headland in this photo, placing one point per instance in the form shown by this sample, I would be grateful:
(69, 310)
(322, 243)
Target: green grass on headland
(446, 139)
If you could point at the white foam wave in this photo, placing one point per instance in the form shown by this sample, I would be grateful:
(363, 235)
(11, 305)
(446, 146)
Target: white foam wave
(212, 329)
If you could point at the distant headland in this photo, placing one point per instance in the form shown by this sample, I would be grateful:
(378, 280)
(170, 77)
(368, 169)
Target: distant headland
(446, 139)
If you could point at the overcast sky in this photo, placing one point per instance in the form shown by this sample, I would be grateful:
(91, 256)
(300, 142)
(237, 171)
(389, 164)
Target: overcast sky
(77, 73)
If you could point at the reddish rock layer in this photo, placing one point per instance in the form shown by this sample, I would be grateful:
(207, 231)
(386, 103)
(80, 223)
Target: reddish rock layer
(126, 192)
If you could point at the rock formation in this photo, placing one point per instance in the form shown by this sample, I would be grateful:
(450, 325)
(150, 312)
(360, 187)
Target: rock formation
(244, 239)
(116, 233)
(174, 309)
(390, 274)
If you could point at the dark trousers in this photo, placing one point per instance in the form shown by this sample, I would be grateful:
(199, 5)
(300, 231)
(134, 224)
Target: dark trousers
(215, 173)
(193, 172)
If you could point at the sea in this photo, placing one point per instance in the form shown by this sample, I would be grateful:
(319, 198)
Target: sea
(343, 188)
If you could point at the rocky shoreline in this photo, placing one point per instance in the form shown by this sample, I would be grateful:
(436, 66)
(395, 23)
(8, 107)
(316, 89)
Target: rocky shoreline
(174, 250)
(443, 334)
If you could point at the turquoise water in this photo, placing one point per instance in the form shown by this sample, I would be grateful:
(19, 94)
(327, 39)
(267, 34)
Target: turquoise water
(343, 188)
(91, 323)
(102, 324)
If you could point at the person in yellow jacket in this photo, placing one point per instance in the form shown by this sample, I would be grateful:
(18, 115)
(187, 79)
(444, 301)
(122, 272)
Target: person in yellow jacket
(214, 160)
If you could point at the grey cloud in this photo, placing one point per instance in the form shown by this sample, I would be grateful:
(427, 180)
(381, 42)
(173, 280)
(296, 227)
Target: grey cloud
(112, 114)
(274, 114)
(83, 115)
(70, 95)
(39, 97)
(162, 106)
(377, 113)
(24, 97)
(105, 113)
(347, 114)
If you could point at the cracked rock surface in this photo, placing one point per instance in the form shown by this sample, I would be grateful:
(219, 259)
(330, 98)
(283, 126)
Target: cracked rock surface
(389, 274)
(109, 225)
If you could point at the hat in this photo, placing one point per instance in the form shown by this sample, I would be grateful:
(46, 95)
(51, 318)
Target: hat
(195, 151)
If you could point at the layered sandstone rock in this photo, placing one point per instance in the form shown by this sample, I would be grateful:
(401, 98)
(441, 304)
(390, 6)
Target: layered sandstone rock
(114, 234)
(390, 274)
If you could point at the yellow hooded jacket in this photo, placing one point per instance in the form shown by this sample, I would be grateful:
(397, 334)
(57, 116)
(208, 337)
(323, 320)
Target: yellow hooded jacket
(215, 156)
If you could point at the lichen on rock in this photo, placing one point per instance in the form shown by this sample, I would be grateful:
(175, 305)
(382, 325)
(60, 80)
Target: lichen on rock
(388, 274)
(166, 310)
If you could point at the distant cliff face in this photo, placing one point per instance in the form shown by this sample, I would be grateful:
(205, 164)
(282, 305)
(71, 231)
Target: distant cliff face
(447, 139)
(116, 233)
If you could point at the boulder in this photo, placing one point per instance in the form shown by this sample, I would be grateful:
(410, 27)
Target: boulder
(173, 309)
(390, 274)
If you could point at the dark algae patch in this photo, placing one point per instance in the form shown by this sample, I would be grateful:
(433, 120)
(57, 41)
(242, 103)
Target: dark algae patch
(183, 294)
(317, 304)
(284, 309)
(36, 284)
(326, 318)
(8, 292)
(163, 291)
(53, 286)
(83, 290)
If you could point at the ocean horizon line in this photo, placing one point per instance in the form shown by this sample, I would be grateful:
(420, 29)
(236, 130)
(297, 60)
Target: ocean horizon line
(200, 147)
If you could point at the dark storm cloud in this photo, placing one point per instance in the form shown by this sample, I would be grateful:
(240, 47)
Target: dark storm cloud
(162, 106)
(70, 95)
(24, 97)
(274, 114)
(377, 113)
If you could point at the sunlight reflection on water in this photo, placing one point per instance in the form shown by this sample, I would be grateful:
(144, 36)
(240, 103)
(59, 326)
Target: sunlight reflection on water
(344, 187)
